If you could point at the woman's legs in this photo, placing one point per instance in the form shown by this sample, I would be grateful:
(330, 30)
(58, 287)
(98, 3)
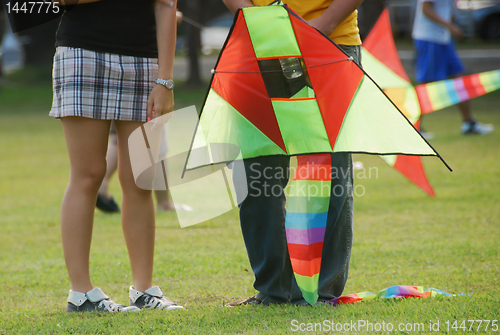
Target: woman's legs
(112, 165)
(138, 216)
(164, 202)
(86, 140)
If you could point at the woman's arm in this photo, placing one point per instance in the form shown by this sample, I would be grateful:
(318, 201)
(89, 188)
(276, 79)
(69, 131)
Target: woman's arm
(337, 12)
(161, 100)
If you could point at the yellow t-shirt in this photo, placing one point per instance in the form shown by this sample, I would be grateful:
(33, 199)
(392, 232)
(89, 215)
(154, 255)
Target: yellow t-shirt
(346, 33)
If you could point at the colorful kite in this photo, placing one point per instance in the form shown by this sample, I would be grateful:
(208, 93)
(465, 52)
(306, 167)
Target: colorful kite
(280, 87)
(397, 291)
(382, 63)
(322, 103)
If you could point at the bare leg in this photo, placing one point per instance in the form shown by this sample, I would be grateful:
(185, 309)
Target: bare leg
(164, 203)
(112, 165)
(86, 140)
(465, 110)
(138, 216)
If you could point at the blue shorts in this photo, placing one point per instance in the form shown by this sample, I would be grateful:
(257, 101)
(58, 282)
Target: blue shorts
(436, 62)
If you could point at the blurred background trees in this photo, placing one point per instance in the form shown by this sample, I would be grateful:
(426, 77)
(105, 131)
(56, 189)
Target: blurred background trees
(39, 42)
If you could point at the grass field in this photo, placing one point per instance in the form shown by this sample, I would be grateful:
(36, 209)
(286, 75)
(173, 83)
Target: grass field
(402, 237)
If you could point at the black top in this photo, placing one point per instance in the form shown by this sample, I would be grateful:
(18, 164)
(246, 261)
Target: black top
(125, 27)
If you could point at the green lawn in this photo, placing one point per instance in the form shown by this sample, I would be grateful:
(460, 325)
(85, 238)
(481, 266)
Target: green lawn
(402, 237)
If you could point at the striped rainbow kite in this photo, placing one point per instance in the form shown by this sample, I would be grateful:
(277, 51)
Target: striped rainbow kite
(440, 94)
(294, 92)
(393, 292)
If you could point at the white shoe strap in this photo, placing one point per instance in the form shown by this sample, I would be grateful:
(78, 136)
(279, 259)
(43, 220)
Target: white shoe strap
(96, 295)
(154, 291)
(77, 298)
(134, 294)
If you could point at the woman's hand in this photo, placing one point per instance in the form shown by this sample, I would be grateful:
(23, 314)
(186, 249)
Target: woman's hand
(160, 102)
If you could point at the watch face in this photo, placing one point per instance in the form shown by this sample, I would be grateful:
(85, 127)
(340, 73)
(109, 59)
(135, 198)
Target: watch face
(170, 84)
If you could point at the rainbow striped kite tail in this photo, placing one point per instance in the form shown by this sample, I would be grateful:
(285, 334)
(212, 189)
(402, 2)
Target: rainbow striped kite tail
(393, 292)
(440, 94)
(305, 223)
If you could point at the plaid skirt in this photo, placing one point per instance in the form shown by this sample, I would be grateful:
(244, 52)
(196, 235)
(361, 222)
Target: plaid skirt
(100, 85)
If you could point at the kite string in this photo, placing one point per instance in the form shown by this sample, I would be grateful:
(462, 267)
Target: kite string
(271, 71)
(193, 22)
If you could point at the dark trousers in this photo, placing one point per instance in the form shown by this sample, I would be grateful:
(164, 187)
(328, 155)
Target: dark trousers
(262, 217)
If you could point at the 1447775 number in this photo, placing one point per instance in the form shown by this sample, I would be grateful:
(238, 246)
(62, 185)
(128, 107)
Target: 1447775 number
(32, 7)
(472, 325)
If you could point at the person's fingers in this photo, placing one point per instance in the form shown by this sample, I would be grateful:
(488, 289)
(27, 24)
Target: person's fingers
(150, 109)
(160, 102)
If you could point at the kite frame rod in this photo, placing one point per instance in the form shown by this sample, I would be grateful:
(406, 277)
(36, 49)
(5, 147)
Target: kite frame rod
(272, 71)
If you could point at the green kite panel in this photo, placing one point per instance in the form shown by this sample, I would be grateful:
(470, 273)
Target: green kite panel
(301, 126)
(278, 39)
(310, 296)
(389, 159)
(308, 284)
(233, 128)
(373, 124)
(305, 92)
(380, 72)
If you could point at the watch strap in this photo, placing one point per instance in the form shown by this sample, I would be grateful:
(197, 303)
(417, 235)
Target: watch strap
(168, 83)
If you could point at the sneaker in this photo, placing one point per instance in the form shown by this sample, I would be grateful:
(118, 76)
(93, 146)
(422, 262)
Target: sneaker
(474, 127)
(107, 205)
(249, 301)
(152, 298)
(95, 300)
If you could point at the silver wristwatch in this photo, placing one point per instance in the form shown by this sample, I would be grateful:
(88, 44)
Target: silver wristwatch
(169, 83)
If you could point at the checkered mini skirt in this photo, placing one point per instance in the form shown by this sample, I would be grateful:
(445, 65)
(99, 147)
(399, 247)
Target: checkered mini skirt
(100, 85)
